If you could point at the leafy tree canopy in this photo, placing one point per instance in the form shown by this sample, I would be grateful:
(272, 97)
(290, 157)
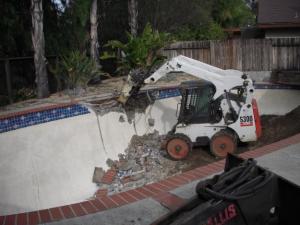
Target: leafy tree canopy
(232, 13)
(66, 22)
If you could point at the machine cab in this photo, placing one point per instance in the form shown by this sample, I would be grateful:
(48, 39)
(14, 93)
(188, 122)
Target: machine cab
(197, 104)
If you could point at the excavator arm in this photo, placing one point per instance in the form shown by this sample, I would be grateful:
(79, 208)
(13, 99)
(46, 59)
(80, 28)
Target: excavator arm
(224, 80)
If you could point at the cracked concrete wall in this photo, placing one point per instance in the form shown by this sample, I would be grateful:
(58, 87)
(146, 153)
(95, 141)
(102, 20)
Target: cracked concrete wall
(52, 164)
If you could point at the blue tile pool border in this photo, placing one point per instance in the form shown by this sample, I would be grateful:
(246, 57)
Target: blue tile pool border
(19, 120)
(15, 122)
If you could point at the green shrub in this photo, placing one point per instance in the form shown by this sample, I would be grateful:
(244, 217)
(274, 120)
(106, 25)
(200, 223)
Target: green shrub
(210, 31)
(23, 94)
(139, 52)
(75, 70)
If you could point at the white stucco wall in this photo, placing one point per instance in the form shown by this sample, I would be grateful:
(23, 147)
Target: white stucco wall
(52, 164)
(276, 101)
(48, 164)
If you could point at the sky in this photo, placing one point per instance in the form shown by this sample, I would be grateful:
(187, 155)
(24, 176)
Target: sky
(58, 2)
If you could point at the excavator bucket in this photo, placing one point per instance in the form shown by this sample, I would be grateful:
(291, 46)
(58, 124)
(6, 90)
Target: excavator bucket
(126, 91)
(133, 83)
(122, 99)
(244, 194)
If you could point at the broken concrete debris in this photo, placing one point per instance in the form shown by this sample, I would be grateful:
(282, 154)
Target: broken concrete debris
(143, 162)
(98, 174)
(106, 107)
(109, 176)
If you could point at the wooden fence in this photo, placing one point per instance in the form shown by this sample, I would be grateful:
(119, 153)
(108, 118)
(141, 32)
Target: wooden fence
(242, 54)
(8, 71)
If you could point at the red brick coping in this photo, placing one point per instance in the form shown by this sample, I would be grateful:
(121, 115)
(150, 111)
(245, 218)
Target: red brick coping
(158, 191)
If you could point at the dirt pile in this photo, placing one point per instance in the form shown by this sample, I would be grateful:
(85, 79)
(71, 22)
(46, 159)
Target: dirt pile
(275, 128)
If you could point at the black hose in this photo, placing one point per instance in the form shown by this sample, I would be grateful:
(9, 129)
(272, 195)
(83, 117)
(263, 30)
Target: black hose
(223, 180)
(240, 182)
(244, 175)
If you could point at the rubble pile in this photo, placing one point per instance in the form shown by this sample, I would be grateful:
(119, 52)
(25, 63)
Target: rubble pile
(142, 163)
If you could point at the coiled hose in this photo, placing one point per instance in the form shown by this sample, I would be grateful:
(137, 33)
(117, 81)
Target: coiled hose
(240, 182)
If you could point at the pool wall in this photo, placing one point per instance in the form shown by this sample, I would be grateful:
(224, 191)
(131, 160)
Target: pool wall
(48, 156)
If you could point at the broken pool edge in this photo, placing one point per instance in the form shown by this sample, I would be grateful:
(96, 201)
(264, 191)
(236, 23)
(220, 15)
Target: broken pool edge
(22, 119)
(61, 155)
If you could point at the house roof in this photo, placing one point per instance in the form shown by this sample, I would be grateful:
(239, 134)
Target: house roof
(283, 13)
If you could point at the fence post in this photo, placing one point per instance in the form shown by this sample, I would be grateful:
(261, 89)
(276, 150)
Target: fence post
(57, 76)
(8, 80)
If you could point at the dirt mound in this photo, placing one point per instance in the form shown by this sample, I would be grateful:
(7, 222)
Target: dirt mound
(275, 128)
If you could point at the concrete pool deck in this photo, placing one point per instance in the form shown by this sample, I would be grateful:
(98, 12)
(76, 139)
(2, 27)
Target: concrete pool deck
(146, 204)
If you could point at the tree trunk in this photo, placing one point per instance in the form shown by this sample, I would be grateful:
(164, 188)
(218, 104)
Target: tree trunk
(133, 16)
(38, 42)
(94, 32)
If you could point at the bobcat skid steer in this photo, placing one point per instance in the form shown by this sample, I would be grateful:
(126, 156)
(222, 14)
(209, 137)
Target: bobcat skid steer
(217, 109)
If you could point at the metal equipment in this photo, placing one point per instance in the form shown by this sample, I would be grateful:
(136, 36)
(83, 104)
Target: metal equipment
(244, 194)
(219, 109)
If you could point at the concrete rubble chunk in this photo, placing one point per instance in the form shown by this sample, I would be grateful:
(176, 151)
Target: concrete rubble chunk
(143, 162)
(98, 174)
